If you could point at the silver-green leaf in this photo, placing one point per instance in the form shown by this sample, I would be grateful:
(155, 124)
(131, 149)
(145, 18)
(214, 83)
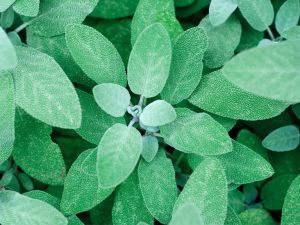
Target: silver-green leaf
(8, 57)
(150, 147)
(220, 10)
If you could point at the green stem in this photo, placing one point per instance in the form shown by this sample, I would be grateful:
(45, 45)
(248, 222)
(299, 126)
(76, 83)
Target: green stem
(21, 27)
(133, 121)
(271, 34)
(178, 161)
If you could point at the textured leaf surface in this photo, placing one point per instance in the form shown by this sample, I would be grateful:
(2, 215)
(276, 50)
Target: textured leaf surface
(287, 16)
(55, 15)
(186, 66)
(232, 218)
(150, 148)
(129, 207)
(149, 61)
(221, 47)
(35, 152)
(158, 186)
(187, 214)
(290, 210)
(8, 57)
(220, 11)
(282, 139)
(27, 7)
(44, 91)
(259, 14)
(118, 153)
(96, 55)
(147, 13)
(15, 208)
(112, 98)
(207, 189)
(94, 120)
(113, 9)
(158, 113)
(278, 67)
(7, 115)
(81, 189)
(256, 217)
(196, 133)
(278, 185)
(43, 196)
(217, 95)
(5, 4)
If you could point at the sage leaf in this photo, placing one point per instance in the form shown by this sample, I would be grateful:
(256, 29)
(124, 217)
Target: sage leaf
(149, 61)
(118, 153)
(43, 196)
(16, 207)
(81, 188)
(94, 120)
(276, 77)
(287, 16)
(290, 210)
(112, 98)
(196, 133)
(129, 207)
(7, 115)
(8, 57)
(44, 91)
(259, 14)
(158, 186)
(232, 218)
(27, 7)
(158, 113)
(64, 14)
(5, 4)
(217, 95)
(187, 214)
(104, 64)
(150, 148)
(186, 66)
(207, 190)
(220, 11)
(33, 145)
(220, 47)
(256, 217)
(285, 138)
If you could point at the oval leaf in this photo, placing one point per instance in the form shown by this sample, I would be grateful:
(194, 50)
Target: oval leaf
(112, 98)
(149, 61)
(187, 214)
(8, 57)
(118, 153)
(220, 11)
(27, 7)
(150, 148)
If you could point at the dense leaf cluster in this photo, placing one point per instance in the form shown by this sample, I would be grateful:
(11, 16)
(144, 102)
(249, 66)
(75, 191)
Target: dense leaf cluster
(126, 112)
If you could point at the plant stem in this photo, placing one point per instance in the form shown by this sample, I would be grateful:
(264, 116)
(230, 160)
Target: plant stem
(179, 159)
(271, 34)
(21, 27)
(141, 101)
(133, 121)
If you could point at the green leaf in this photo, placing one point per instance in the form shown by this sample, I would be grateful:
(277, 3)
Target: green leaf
(290, 210)
(193, 8)
(158, 186)
(95, 55)
(44, 91)
(81, 189)
(8, 57)
(254, 71)
(118, 153)
(221, 47)
(129, 207)
(187, 214)
(147, 13)
(64, 13)
(232, 218)
(186, 66)
(44, 196)
(217, 95)
(220, 11)
(149, 61)
(7, 115)
(150, 147)
(94, 120)
(278, 185)
(259, 14)
(35, 152)
(207, 189)
(256, 217)
(25, 181)
(7, 18)
(287, 16)
(5, 4)
(183, 3)
(114, 9)
(158, 113)
(112, 98)
(292, 34)
(283, 139)
(27, 7)
(15, 207)
(196, 133)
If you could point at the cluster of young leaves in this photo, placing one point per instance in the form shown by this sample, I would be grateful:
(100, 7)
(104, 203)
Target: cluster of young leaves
(134, 112)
